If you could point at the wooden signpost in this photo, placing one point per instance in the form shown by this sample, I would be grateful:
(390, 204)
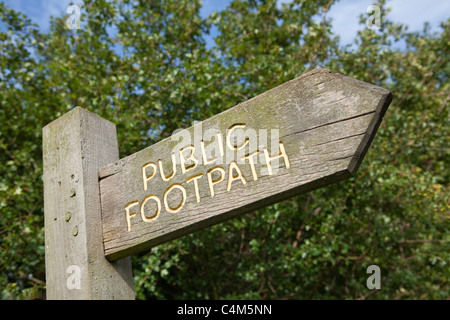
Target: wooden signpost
(302, 135)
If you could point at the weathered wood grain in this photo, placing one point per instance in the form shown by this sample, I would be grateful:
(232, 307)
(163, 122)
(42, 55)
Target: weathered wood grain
(75, 146)
(325, 123)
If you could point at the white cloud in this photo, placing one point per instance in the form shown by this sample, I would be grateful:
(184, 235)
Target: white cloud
(39, 11)
(209, 6)
(413, 13)
(345, 13)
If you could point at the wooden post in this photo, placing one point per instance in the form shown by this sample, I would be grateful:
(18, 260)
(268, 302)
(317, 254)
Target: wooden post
(321, 125)
(75, 147)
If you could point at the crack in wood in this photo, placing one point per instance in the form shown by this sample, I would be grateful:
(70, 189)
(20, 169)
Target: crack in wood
(328, 124)
(339, 139)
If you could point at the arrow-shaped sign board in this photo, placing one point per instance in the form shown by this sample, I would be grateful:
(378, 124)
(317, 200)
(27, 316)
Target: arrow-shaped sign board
(306, 133)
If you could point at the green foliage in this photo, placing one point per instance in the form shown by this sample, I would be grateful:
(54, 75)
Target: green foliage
(145, 66)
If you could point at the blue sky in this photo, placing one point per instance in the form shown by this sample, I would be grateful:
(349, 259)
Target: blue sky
(345, 13)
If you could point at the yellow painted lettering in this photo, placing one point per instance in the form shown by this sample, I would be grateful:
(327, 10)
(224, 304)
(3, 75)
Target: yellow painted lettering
(191, 157)
(250, 158)
(229, 132)
(212, 182)
(130, 214)
(183, 200)
(174, 169)
(231, 177)
(158, 208)
(146, 177)
(282, 154)
(195, 178)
